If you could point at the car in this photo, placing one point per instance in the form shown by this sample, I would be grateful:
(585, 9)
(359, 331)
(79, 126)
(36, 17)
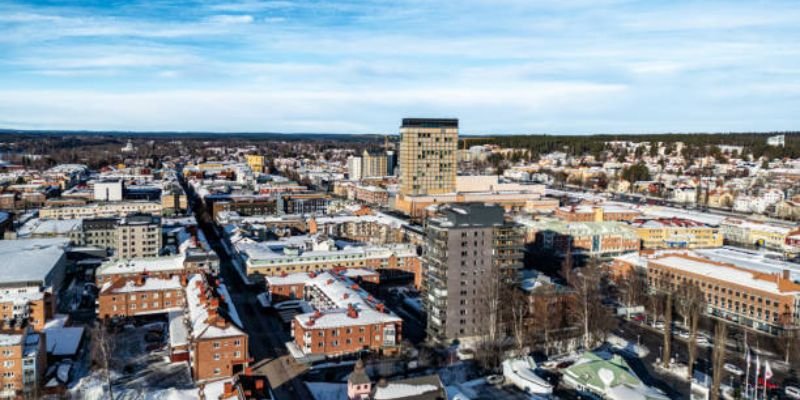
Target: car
(792, 392)
(683, 334)
(733, 369)
(658, 325)
(494, 379)
(284, 305)
(703, 341)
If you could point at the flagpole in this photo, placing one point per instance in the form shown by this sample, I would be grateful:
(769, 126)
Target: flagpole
(747, 376)
(755, 378)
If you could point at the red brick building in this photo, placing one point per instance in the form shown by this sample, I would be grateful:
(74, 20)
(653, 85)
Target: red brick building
(140, 295)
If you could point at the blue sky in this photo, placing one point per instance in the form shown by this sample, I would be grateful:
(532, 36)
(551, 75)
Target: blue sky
(500, 66)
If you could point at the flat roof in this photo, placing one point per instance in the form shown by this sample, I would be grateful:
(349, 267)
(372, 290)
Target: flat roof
(27, 260)
(719, 271)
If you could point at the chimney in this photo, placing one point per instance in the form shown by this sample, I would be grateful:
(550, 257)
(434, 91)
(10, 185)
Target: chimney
(380, 307)
(330, 281)
(214, 303)
(259, 384)
(351, 312)
(140, 280)
(184, 280)
(248, 371)
(787, 274)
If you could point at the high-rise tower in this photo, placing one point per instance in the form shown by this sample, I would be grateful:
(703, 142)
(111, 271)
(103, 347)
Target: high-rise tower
(428, 156)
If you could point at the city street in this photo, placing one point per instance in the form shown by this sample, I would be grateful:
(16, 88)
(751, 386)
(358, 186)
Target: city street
(653, 339)
(266, 335)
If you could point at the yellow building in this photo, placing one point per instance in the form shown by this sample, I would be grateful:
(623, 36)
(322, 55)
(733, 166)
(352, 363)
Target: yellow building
(428, 156)
(256, 162)
(676, 233)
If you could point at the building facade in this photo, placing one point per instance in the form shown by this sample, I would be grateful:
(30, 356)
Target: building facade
(428, 156)
(676, 233)
(138, 236)
(470, 250)
(762, 301)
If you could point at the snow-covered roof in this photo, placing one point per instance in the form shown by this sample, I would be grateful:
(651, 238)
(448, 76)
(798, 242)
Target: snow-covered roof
(147, 284)
(10, 339)
(718, 271)
(200, 325)
(139, 265)
(49, 227)
(28, 260)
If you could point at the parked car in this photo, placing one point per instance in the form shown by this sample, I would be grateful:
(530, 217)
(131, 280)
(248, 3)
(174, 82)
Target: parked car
(733, 369)
(792, 392)
(658, 325)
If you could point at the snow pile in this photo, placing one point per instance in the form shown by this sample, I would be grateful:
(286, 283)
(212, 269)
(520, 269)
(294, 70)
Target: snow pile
(401, 391)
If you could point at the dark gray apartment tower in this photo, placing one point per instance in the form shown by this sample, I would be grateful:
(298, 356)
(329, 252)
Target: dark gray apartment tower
(469, 249)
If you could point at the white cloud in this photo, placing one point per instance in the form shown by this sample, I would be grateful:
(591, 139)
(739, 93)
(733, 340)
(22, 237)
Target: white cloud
(231, 19)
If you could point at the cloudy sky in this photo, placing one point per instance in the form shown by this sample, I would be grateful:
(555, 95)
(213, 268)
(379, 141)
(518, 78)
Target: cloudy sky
(500, 66)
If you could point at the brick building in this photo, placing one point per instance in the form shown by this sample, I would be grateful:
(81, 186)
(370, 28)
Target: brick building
(762, 301)
(24, 361)
(587, 239)
(347, 318)
(140, 295)
(592, 213)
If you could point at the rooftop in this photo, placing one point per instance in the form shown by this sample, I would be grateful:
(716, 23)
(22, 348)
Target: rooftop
(27, 260)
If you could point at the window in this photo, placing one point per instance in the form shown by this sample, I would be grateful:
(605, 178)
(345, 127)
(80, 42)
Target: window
(217, 371)
(237, 354)
(237, 342)
(216, 345)
(216, 356)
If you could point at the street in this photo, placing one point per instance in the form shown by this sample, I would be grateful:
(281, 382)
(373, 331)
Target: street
(266, 335)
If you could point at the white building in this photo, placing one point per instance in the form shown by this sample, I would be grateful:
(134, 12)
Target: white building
(354, 168)
(108, 190)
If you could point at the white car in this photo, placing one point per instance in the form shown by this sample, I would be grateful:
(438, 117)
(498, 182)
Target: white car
(792, 391)
(733, 369)
(658, 325)
(703, 341)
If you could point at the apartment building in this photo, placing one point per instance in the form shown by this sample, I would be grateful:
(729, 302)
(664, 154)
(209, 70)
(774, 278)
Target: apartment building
(255, 162)
(163, 267)
(174, 199)
(747, 233)
(595, 213)
(100, 232)
(428, 156)
(585, 239)
(346, 319)
(318, 253)
(470, 249)
(210, 330)
(676, 233)
(138, 236)
(24, 361)
(757, 300)
(31, 305)
(140, 295)
(104, 210)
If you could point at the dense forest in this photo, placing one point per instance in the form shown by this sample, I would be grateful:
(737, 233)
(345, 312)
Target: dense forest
(697, 144)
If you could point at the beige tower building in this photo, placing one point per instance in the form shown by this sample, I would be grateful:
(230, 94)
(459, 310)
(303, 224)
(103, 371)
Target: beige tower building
(428, 156)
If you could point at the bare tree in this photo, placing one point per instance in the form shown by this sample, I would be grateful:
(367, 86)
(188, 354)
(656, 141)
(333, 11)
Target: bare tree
(691, 302)
(587, 307)
(492, 287)
(633, 287)
(520, 310)
(667, 329)
(789, 339)
(101, 350)
(718, 357)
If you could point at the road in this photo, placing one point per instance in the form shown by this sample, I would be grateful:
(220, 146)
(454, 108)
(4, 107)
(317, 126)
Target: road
(653, 339)
(266, 335)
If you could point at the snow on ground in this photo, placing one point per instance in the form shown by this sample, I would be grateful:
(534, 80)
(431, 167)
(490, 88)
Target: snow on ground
(139, 374)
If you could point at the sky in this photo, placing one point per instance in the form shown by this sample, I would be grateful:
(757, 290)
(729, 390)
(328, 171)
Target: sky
(337, 66)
